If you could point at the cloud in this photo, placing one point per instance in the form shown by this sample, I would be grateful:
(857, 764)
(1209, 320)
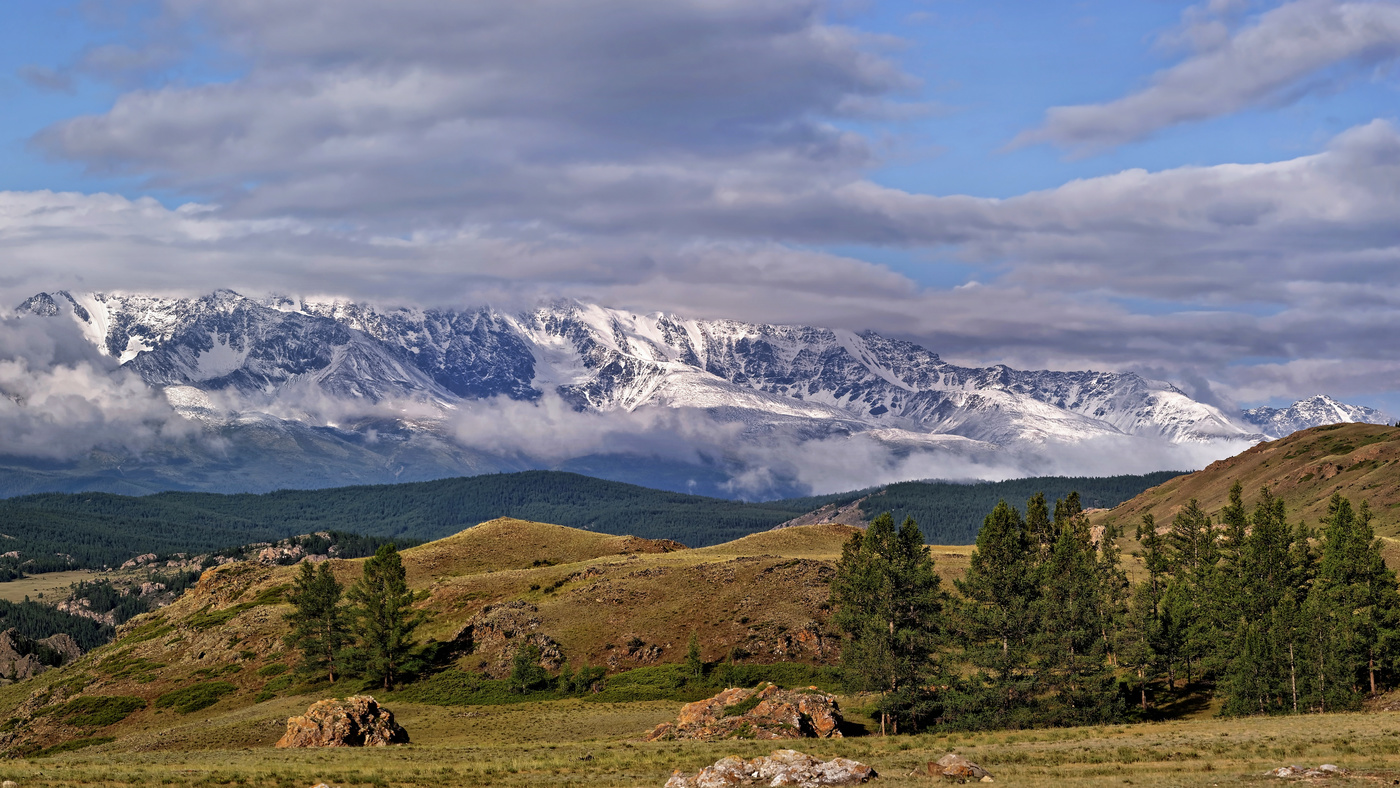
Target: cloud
(527, 111)
(1186, 270)
(1288, 52)
(60, 400)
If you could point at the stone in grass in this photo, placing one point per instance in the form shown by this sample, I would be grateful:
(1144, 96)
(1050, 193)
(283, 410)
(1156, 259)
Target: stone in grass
(1325, 770)
(766, 712)
(782, 767)
(357, 721)
(957, 768)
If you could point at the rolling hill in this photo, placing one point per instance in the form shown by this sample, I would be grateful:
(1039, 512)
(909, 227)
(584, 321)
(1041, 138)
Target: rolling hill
(1360, 461)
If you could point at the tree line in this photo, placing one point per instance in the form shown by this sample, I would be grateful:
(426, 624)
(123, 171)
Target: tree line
(1046, 629)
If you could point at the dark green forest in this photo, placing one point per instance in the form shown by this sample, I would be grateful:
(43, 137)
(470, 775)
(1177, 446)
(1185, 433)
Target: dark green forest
(91, 530)
(952, 513)
(1268, 615)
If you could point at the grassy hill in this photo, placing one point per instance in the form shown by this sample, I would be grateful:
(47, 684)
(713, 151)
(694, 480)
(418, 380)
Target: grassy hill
(618, 602)
(1360, 461)
(55, 531)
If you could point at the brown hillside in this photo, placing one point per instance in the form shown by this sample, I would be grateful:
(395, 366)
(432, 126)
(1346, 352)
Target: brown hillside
(621, 602)
(1360, 461)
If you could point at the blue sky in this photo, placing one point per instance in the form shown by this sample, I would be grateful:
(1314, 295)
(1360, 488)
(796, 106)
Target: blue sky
(1201, 191)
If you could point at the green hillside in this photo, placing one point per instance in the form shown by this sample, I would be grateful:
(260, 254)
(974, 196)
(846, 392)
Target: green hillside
(951, 513)
(89, 530)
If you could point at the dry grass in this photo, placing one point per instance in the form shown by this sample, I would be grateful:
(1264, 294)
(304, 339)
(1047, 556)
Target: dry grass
(598, 745)
(1360, 461)
(45, 585)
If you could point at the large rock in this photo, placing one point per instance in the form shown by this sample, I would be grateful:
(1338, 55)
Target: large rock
(763, 713)
(783, 767)
(955, 767)
(357, 721)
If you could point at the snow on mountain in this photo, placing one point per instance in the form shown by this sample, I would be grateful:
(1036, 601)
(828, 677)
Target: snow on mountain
(416, 391)
(1311, 412)
(600, 359)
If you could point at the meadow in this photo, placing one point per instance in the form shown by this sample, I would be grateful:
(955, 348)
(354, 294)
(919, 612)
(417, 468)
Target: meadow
(592, 745)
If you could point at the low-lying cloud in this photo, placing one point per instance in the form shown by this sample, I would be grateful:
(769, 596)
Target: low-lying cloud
(60, 400)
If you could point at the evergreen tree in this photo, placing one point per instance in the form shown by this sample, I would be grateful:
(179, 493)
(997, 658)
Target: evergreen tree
(1070, 644)
(525, 671)
(318, 624)
(385, 619)
(1001, 589)
(888, 602)
(694, 665)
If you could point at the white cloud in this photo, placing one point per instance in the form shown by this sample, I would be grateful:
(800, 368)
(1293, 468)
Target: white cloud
(1290, 51)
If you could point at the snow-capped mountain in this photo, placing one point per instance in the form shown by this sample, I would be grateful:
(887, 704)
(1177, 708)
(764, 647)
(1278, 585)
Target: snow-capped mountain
(232, 362)
(1310, 412)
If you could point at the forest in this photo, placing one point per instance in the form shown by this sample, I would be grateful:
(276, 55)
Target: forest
(56, 531)
(1046, 629)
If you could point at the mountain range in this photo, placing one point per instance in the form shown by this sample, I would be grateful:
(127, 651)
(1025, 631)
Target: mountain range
(304, 393)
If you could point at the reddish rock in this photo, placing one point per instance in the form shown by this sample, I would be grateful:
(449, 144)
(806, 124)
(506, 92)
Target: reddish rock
(357, 721)
(778, 714)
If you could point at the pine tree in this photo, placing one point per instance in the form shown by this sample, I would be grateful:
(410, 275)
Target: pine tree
(888, 602)
(525, 670)
(385, 619)
(1001, 589)
(1069, 643)
(319, 628)
(694, 665)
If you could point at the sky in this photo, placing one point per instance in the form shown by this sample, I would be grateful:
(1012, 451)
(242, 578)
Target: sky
(1206, 193)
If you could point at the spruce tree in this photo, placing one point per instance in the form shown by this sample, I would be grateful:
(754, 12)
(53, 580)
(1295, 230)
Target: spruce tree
(1001, 589)
(888, 602)
(694, 665)
(382, 607)
(319, 628)
(1070, 643)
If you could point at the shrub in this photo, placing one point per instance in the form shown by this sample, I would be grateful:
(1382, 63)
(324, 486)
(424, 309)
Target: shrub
(195, 697)
(275, 669)
(99, 711)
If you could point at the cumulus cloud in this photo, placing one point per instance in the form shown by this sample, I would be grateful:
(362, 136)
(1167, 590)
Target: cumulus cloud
(498, 111)
(1288, 52)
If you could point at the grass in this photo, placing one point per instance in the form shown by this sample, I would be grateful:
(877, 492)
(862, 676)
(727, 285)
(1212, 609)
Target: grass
(99, 711)
(45, 585)
(598, 746)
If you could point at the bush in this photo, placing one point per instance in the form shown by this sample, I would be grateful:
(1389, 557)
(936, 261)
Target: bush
(73, 744)
(99, 711)
(275, 669)
(195, 697)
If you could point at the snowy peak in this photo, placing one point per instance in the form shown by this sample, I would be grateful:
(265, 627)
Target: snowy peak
(1311, 412)
(601, 359)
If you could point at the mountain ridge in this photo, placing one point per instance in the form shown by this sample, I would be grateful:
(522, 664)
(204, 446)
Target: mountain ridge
(349, 370)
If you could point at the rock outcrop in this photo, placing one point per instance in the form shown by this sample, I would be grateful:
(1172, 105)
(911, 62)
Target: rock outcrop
(958, 769)
(22, 658)
(357, 721)
(783, 767)
(763, 713)
(498, 631)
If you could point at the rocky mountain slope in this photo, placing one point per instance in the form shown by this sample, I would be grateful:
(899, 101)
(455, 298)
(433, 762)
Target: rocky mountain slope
(1311, 412)
(1360, 461)
(275, 365)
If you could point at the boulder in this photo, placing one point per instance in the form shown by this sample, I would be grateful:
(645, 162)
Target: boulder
(763, 713)
(357, 721)
(783, 767)
(959, 769)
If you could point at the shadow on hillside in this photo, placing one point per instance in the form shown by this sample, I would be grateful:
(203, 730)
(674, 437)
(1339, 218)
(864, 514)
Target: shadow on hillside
(1193, 700)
